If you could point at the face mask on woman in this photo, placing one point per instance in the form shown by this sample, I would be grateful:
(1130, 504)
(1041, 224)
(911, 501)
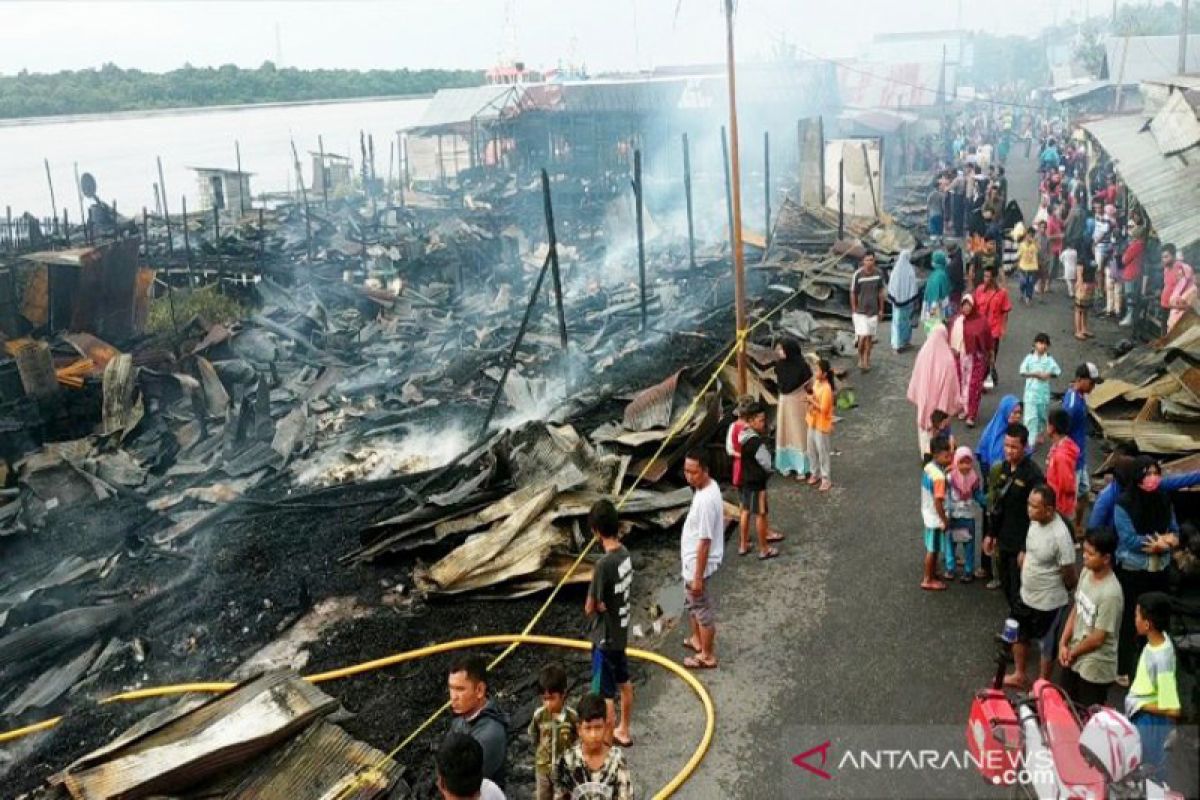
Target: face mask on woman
(1150, 482)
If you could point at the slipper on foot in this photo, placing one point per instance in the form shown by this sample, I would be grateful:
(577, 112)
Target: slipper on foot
(933, 586)
(768, 554)
(692, 662)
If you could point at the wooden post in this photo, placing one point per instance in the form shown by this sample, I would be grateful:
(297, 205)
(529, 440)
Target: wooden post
(391, 164)
(79, 192)
(237, 147)
(53, 202)
(441, 164)
(187, 246)
(217, 249)
(552, 239)
(262, 241)
(157, 199)
(66, 227)
(1183, 37)
(324, 173)
(841, 200)
(641, 235)
(687, 191)
(728, 185)
(767, 187)
(12, 233)
(304, 196)
(739, 258)
(162, 185)
(402, 157)
(145, 233)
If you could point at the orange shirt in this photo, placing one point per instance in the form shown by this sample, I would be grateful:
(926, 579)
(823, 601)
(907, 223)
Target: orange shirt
(820, 410)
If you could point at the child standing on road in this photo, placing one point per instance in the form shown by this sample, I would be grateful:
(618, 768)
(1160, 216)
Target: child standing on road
(1027, 264)
(592, 768)
(552, 729)
(1039, 368)
(965, 493)
(733, 449)
(757, 466)
(933, 509)
(820, 424)
(1152, 704)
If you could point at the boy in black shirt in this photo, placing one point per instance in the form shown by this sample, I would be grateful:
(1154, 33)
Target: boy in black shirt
(1009, 485)
(608, 607)
(757, 466)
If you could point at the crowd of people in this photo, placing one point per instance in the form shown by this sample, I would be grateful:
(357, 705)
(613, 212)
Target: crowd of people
(1089, 584)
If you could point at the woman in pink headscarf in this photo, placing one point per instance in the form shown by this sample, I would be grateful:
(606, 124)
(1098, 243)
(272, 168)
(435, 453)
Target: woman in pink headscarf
(934, 385)
(1183, 294)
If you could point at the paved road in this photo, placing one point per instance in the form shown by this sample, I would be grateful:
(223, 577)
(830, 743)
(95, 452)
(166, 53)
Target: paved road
(835, 641)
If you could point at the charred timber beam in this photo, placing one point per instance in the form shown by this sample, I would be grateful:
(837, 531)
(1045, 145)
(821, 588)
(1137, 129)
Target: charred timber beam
(552, 238)
(641, 231)
(162, 185)
(512, 353)
(687, 192)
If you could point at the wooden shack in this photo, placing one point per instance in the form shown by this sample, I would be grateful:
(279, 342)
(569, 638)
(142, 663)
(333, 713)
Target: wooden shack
(224, 189)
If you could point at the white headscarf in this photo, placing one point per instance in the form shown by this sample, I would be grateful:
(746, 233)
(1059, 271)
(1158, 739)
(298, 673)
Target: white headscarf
(902, 283)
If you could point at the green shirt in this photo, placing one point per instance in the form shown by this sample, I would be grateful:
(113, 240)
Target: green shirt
(1155, 680)
(552, 736)
(1098, 606)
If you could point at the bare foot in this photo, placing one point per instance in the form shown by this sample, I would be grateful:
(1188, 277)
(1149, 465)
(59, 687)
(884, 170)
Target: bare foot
(1015, 681)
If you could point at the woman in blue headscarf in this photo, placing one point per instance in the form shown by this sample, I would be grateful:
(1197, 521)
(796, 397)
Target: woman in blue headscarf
(990, 453)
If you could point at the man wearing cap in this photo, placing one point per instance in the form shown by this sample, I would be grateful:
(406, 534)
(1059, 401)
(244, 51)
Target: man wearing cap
(1087, 375)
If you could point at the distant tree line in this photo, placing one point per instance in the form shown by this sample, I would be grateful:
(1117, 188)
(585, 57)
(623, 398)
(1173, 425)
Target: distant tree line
(111, 88)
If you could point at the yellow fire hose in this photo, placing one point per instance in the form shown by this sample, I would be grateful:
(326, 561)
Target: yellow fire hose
(412, 655)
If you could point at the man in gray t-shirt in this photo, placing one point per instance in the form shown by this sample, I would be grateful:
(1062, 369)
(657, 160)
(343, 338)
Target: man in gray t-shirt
(1087, 649)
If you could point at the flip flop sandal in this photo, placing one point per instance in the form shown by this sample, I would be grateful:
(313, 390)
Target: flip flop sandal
(687, 645)
(770, 553)
(775, 537)
(743, 551)
(934, 586)
(691, 662)
(626, 743)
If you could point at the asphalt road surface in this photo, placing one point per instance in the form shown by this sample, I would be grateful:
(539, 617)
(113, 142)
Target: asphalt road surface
(834, 642)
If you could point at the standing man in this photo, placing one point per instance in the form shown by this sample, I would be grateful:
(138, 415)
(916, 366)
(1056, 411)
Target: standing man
(1087, 649)
(993, 302)
(1009, 485)
(1087, 375)
(607, 606)
(476, 715)
(1047, 578)
(867, 292)
(937, 200)
(459, 764)
(701, 549)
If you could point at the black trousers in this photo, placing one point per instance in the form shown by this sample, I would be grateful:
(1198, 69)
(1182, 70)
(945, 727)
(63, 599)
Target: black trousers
(1134, 584)
(1084, 692)
(1010, 576)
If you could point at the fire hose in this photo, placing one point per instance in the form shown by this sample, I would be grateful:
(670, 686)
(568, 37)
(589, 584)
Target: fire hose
(512, 640)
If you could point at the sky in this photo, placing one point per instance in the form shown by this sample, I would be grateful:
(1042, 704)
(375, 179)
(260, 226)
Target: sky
(604, 35)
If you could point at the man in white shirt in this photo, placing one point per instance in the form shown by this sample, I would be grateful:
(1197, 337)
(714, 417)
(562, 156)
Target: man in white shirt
(1048, 577)
(701, 549)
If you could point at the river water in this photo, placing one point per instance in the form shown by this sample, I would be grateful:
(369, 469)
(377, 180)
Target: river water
(120, 150)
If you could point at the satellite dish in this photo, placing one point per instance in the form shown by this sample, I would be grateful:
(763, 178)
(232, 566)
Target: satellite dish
(87, 185)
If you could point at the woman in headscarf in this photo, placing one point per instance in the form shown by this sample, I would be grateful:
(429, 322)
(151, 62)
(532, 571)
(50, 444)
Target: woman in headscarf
(934, 384)
(971, 341)
(1183, 294)
(1146, 533)
(937, 289)
(902, 292)
(990, 453)
(792, 372)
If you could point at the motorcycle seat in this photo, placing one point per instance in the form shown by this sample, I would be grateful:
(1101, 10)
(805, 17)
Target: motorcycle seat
(1062, 728)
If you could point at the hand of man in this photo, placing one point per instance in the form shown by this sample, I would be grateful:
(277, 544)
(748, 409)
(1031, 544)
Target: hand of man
(1064, 656)
(696, 587)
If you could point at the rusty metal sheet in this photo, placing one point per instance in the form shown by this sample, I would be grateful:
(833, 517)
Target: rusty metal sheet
(652, 408)
(322, 762)
(230, 729)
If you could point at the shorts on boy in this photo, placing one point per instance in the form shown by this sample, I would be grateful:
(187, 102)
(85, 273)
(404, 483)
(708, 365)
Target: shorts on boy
(935, 540)
(610, 669)
(1039, 626)
(753, 500)
(865, 325)
(702, 606)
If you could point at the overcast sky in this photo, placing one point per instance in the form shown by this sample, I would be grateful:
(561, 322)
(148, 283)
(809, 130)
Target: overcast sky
(47, 36)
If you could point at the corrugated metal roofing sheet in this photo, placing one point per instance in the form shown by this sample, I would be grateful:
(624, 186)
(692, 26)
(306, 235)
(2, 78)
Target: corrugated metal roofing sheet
(320, 763)
(455, 108)
(1168, 187)
(866, 85)
(1079, 90)
(1175, 127)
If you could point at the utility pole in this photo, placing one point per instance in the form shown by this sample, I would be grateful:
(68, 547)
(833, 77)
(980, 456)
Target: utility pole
(739, 260)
